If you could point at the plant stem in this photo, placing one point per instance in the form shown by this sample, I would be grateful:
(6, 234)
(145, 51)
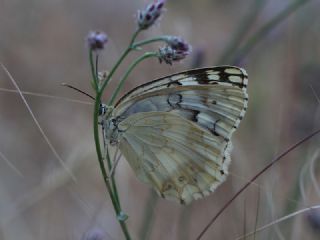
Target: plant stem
(112, 190)
(148, 41)
(113, 182)
(115, 67)
(274, 161)
(103, 170)
(93, 72)
(131, 67)
(100, 91)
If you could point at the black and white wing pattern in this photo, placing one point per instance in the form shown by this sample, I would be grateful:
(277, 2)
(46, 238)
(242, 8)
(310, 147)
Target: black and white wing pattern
(175, 132)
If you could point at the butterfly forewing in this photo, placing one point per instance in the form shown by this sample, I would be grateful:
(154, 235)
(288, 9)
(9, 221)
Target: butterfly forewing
(179, 127)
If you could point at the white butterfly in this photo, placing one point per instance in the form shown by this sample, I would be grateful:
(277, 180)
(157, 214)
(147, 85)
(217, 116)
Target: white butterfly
(175, 131)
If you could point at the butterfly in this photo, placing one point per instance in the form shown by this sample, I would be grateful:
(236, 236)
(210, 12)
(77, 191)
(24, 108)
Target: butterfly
(175, 132)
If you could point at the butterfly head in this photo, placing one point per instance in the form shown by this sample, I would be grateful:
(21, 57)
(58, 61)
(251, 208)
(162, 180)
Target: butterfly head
(109, 124)
(105, 110)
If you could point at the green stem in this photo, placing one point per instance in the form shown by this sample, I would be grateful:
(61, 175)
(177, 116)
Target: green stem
(115, 67)
(148, 41)
(113, 182)
(98, 99)
(93, 71)
(113, 194)
(112, 189)
(131, 67)
(104, 172)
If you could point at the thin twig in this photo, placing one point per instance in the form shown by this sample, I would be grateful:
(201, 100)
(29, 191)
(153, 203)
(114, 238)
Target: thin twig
(115, 163)
(280, 220)
(244, 27)
(274, 161)
(257, 215)
(11, 165)
(265, 29)
(38, 125)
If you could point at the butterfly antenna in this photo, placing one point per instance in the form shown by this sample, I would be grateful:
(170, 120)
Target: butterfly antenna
(78, 90)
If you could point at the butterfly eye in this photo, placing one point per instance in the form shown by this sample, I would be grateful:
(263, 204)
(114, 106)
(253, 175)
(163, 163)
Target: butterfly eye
(102, 110)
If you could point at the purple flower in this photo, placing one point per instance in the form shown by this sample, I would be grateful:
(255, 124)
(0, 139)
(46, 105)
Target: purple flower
(170, 55)
(96, 40)
(95, 234)
(176, 49)
(178, 43)
(313, 217)
(150, 14)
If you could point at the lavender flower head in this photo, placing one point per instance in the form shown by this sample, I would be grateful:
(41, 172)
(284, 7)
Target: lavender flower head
(95, 234)
(150, 14)
(176, 50)
(178, 43)
(97, 40)
(169, 55)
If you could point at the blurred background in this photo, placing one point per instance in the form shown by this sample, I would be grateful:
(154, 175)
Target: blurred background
(42, 44)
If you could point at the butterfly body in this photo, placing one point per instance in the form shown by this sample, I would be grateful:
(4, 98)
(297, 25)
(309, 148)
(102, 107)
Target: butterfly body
(175, 132)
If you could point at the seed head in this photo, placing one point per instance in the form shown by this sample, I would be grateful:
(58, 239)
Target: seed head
(170, 55)
(150, 14)
(96, 40)
(178, 43)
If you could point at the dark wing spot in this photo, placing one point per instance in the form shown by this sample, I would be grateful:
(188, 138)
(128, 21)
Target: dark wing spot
(195, 114)
(224, 159)
(174, 100)
(174, 83)
(213, 128)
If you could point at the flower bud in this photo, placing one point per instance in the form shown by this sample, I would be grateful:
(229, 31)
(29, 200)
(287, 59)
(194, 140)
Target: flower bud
(178, 43)
(96, 40)
(150, 14)
(170, 55)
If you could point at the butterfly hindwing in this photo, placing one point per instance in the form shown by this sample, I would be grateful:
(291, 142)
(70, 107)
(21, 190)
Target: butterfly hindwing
(179, 159)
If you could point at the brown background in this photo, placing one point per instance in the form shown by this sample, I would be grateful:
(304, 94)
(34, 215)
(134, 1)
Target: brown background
(42, 45)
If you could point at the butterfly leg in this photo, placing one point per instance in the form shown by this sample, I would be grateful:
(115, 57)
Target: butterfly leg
(116, 159)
